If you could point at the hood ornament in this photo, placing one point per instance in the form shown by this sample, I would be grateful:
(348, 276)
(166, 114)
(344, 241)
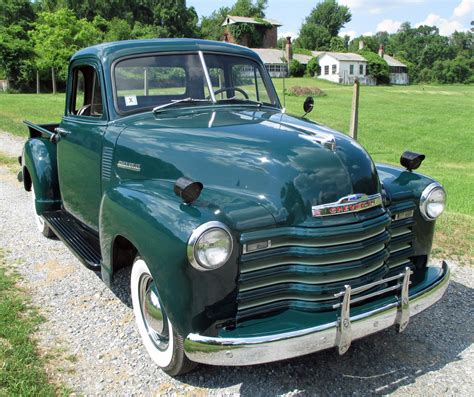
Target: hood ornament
(347, 204)
(325, 139)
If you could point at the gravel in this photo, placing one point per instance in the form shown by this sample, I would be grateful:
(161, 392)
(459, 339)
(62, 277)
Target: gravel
(94, 347)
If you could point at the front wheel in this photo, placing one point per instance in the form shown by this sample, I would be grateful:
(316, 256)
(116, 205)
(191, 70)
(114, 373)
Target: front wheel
(163, 344)
(41, 225)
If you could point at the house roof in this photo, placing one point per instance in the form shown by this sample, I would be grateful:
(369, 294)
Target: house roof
(270, 55)
(232, 19)
(393, 62)
(302, 58)
(276, 56)
(345, 56)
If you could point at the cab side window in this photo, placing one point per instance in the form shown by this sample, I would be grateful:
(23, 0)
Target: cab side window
(86, 97)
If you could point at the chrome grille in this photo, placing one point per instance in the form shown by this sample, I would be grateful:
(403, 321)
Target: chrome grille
(305, 267)
(402, 236)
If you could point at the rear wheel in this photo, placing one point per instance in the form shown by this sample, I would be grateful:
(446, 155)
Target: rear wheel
(163, 344)
(41, 225)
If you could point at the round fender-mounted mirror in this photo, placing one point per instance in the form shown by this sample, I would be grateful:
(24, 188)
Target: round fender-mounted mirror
(188, 189)
(308, 105)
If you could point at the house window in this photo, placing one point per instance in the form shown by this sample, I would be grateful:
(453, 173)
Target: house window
(326, 69)
(351, 69)
(334, 69)
(361, 69)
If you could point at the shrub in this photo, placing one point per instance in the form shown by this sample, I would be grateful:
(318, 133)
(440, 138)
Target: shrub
(305, 91)
(378, 67)
(296, 69)
(313, 67)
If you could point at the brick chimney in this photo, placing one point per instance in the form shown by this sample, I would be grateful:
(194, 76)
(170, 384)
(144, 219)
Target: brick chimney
(381, 51)
(361, 44)
(288, 50)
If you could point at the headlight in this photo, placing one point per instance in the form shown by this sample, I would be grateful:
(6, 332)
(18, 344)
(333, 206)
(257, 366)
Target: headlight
(432, 201)
(210, 246)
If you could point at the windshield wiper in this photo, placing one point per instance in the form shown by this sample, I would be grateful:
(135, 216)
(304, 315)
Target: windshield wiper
(177, 101)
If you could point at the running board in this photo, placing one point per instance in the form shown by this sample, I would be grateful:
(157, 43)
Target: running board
(82, 242)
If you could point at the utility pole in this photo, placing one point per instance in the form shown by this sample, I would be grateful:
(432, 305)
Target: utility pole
(355, 110)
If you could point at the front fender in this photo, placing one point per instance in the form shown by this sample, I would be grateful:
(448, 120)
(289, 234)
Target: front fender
(149, 215)
(39, 160)
(405, 186)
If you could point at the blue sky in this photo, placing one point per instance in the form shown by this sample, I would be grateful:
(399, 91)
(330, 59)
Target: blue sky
(368, 16)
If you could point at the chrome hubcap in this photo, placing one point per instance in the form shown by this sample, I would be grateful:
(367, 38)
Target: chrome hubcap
(155, 319)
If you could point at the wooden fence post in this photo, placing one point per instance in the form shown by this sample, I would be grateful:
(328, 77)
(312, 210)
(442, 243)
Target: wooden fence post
(37, 81)
(355, 110)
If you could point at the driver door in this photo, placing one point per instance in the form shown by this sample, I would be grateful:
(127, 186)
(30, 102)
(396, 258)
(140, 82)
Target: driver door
(80, 145)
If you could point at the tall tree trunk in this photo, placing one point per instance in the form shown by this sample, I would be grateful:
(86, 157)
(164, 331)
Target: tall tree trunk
(53, 77)
(37, 81)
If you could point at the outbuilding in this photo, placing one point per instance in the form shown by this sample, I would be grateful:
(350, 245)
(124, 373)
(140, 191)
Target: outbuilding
(344, 68)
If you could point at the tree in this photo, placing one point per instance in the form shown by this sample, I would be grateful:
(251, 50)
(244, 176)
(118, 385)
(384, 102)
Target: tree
(57, 36)
(377, 66)
(337, 44)
(313, 37)
(323, 23)
(16, 18)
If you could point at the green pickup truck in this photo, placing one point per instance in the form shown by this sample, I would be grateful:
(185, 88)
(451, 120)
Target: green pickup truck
(253, 236)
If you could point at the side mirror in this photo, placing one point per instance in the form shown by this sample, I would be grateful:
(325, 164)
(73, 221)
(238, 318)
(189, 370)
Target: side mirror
(308, 105)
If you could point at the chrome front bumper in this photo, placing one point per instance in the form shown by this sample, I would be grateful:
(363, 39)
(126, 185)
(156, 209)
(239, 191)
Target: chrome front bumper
(340, 333)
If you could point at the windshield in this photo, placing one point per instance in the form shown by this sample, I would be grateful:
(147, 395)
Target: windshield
(148, 82)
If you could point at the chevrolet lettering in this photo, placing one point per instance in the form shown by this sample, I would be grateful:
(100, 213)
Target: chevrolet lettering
(250, 235)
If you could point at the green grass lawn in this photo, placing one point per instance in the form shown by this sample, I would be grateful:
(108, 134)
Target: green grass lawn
(22, 371)
(437, 120)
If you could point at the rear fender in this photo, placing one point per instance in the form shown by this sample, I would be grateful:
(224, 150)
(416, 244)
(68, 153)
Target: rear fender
(40, 164)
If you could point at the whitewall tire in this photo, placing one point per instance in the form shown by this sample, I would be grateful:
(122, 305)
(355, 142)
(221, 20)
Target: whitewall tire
(41, 225)
(163, 344)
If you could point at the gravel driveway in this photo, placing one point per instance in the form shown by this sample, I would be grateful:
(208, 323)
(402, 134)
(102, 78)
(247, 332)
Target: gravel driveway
(95, 348)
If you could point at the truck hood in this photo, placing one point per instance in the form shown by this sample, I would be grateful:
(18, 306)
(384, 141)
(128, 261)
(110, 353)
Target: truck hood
(282, 163)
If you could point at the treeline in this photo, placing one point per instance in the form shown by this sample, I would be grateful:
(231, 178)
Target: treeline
(430, 57)
(38, 37)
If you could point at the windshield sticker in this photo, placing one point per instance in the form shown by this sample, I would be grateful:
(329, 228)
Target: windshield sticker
(131, 100)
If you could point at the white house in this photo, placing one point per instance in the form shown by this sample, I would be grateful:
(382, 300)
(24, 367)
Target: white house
(340, 67)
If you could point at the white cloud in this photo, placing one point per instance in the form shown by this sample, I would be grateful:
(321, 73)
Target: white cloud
(367, 34)
(388, 25)
(350, 33)
(464, 9)
(375, 11)
(446, 26)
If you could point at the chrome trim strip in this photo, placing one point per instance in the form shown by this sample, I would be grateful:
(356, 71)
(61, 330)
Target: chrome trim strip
(263, 349)
(314, 261)
(208, 78)
(195, 237)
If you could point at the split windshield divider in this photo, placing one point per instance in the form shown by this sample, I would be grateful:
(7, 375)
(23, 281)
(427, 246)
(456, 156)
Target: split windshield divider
(208, 78)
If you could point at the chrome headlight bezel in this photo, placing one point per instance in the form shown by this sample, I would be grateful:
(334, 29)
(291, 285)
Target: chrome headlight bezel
(424, 200)
(197, 234)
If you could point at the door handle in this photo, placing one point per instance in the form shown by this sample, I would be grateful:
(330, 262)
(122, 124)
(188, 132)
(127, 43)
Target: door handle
(62, 132)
